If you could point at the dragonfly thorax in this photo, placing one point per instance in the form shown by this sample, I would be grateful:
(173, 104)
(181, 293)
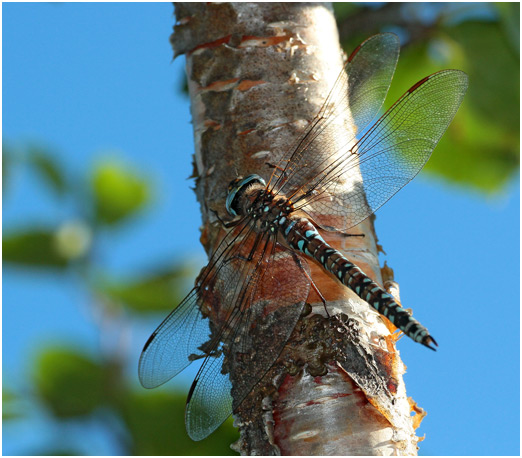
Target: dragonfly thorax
(269, 210)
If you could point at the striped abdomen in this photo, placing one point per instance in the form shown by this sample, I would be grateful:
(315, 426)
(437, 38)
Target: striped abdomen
(302, 235)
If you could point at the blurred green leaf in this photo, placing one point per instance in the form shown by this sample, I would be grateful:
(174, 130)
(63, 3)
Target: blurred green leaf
(481, 147)
(9, 401)
(156, 424)
(70, 383)
(48, 168)
(485, 160)
(56, 452)
(343, 10)
(118, 192)
(7, 161)
(494, 90)
(510, 21)
(154, 293)
(34, 247)
(476, 150)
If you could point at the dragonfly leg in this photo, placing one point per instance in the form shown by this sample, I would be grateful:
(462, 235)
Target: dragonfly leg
(351, 235)
(298, 261)
(323, 300)
(316, 289)
(337, 231)
(225, 224)
(344, 234)
(275, 166)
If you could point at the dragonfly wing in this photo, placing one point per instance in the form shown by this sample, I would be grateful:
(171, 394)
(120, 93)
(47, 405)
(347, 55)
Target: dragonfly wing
(270, 295)
(388, 155)
(174, 344)
(184, 335)
(354, 100)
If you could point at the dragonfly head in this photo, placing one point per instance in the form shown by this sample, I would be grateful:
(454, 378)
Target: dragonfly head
(237, 187)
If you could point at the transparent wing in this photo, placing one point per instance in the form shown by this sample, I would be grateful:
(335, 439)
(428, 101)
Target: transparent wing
(354, 100)
(183, 336)
(249, 296)
(175, 344)
(387, 156)
(264, 315)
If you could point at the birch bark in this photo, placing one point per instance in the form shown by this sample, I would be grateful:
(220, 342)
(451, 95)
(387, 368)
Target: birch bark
(257, 74)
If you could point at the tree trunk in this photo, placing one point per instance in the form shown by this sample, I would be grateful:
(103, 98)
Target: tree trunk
(257, 74)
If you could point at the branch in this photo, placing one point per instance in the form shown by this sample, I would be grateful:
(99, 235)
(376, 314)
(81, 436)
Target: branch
(257, 74)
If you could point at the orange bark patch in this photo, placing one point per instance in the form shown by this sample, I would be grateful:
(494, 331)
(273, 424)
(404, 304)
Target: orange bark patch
(220, 85)
(209, 123)
(245, 85)
(212, 44)
(245, 132)
(331, 289)
(420, 413)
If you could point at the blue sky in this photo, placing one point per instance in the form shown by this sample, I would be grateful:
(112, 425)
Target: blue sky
(87, 79)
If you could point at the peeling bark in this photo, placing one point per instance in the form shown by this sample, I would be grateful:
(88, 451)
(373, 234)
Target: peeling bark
(257, 74)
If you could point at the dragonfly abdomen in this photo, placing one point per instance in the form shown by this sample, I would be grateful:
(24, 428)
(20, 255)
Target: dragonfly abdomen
(302, 235)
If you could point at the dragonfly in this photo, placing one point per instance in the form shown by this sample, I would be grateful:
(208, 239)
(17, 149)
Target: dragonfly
(248, 299)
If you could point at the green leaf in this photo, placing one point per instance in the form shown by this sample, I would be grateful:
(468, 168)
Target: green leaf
(7, 163)
(510, 21)
(47, 248)
(9, 408)
(343, 10)
(48, 168)
(34, 247)
(56, 452)
(477, 151)
(155, 293)
(156, 424)
(119, 193)
(494, 90)
(70, 383)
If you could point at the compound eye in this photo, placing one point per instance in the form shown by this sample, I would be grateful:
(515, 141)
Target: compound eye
(236, 188)
(233, 184)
